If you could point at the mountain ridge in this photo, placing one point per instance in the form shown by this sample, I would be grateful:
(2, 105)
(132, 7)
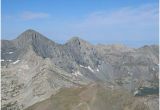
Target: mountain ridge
(35, 68)
(74, 38)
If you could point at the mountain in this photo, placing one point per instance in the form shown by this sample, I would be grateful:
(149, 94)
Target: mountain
(35, 70)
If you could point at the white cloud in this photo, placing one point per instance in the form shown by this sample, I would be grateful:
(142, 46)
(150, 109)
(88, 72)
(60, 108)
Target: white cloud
(127, 25)
(142, 15)
(33, 15)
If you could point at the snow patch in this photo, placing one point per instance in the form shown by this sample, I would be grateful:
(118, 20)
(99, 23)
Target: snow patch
(10, 52)
(2, 59)
(16, 62)
(136, 92)
(82, 66)
(97, 70)
(6, 60)
(90, 69)
(77, 73)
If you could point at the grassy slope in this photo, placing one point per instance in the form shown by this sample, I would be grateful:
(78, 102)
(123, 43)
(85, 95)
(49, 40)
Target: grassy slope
(90, 97)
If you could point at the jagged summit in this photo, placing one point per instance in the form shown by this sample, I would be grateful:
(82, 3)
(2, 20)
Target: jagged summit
(32, 37)
(75, 38)
(77, 41)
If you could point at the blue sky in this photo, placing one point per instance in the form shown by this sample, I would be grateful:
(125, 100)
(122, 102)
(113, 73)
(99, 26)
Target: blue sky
(130, 22)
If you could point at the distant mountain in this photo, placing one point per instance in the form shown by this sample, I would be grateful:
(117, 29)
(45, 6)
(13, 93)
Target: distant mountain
(34, 68)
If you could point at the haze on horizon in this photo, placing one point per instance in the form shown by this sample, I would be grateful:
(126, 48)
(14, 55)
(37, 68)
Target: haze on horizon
(133, 23)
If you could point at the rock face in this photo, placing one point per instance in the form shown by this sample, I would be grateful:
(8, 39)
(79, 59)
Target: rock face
(36, 69)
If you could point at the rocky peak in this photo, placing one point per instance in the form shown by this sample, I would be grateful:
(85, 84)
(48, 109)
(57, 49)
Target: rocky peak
(77, 41)
(31, 37)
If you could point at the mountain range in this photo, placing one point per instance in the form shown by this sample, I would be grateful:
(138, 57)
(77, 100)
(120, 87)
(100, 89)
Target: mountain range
(40, 74)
